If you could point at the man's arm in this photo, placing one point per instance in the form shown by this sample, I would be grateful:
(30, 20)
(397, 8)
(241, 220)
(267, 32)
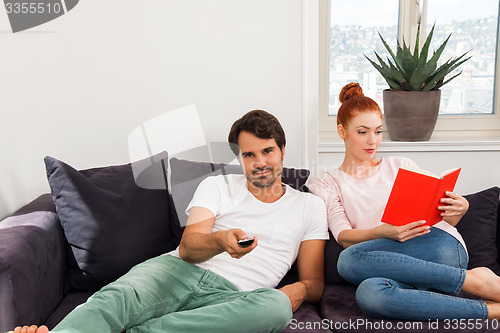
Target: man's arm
(199, 243)
(310, 264)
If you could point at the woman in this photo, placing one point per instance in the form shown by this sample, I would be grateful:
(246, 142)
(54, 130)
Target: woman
(411, 272)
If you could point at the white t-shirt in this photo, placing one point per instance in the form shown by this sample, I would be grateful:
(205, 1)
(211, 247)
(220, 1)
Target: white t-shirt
(359, 203)
(280, 226)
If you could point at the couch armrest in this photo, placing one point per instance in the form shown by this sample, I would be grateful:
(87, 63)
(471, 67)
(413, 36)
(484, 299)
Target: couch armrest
(32, 266)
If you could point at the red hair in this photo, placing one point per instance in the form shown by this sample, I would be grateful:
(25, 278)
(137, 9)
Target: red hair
(354, 102)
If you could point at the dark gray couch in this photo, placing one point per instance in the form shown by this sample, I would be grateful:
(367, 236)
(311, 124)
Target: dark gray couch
(51, 262)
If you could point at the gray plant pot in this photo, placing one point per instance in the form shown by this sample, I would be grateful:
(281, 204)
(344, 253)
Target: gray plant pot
(411, 115)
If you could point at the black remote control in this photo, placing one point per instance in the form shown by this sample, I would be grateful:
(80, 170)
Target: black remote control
(245, 242)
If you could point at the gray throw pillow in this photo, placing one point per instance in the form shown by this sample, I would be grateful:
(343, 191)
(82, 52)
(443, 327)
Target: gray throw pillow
(111, 224)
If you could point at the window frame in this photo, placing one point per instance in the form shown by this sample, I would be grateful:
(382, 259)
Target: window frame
(447, 126)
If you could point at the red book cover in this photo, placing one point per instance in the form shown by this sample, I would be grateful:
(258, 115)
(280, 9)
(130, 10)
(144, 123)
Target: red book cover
(415, 196)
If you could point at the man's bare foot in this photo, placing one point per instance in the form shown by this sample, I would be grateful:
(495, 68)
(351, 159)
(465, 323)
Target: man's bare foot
(493, 310)
(30, 329)
(481, 281)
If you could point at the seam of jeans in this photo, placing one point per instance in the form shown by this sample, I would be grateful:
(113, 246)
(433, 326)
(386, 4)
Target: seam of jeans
(461, 251)
(463, 272)
(486, 312)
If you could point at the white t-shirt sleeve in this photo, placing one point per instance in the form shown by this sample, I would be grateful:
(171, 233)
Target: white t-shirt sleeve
(317, 227)
(207, 195)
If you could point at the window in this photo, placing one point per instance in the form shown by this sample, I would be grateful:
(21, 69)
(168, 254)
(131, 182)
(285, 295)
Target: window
(473, 25)
(354, 32)
(469, 104)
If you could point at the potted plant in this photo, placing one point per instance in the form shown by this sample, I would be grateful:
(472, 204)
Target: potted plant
(411, 105)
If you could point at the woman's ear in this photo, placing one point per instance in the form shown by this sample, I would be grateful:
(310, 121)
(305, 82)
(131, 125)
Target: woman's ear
(341, 131)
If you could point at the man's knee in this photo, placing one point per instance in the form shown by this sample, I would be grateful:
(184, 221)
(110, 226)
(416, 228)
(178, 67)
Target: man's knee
(277, 309)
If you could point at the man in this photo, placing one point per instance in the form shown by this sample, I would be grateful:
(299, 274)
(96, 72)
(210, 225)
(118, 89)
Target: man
(211, 283)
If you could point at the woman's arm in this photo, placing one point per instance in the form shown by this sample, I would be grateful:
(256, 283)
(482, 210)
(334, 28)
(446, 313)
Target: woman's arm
(402, 233)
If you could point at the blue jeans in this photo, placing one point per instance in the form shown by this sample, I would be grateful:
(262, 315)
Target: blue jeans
(166, 294)
(413, 280)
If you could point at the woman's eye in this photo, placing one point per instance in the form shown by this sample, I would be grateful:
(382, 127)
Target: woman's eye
(361, 132)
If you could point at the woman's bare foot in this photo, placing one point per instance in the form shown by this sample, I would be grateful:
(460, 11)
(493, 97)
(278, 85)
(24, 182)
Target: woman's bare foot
(481, 281)
(30, 329)
(493, 310)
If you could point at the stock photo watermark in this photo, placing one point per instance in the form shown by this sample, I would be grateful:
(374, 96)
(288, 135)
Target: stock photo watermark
(385, 325)
(25, 15)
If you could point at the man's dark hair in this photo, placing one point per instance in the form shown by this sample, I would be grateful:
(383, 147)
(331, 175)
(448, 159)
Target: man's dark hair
(260, 123)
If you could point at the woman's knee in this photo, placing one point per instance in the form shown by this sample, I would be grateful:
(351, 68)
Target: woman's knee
(374, 297)
(348, 265)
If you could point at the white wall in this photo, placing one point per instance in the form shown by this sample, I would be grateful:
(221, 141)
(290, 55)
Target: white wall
(74, 88)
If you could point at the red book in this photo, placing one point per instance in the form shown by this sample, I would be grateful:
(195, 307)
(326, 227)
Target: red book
(415, 196)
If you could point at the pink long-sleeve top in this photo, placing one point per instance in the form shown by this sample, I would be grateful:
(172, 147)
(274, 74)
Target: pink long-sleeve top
(359, 203)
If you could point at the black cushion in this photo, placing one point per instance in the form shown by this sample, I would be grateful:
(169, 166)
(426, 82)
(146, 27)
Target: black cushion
(479, 226)
(111, 224)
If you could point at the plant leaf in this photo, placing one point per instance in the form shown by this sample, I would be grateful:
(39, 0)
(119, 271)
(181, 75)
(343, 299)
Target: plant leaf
(435, 57)
(455, 63)
(416, 81)
(387, 77)
(454, 76)
(425, 49)
(416, 49)
(396, 74)
(436, 77)
(412, 71)
(407, 62)
(396, 59)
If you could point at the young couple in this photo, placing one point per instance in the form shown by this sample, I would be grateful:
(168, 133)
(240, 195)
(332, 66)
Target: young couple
(212, 284)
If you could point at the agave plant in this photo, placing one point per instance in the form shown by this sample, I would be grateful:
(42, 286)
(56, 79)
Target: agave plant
(409, 71)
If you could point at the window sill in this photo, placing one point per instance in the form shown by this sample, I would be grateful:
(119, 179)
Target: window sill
(433, 145)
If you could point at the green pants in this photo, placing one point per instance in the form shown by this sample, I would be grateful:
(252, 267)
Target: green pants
(166, 294)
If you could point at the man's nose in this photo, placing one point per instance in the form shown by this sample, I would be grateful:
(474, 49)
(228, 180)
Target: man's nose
(260, 161)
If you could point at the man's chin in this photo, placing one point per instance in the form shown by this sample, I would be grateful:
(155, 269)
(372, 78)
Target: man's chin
(262, 183)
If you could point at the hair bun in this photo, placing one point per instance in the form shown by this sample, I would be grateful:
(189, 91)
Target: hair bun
(350, 90)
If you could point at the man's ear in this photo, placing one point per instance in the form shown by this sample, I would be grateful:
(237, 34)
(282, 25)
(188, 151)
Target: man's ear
(282, 152)
(341, 131)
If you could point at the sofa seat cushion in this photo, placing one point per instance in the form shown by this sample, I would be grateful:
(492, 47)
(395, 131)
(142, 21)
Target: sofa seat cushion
(339, 306)
(110, 222)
